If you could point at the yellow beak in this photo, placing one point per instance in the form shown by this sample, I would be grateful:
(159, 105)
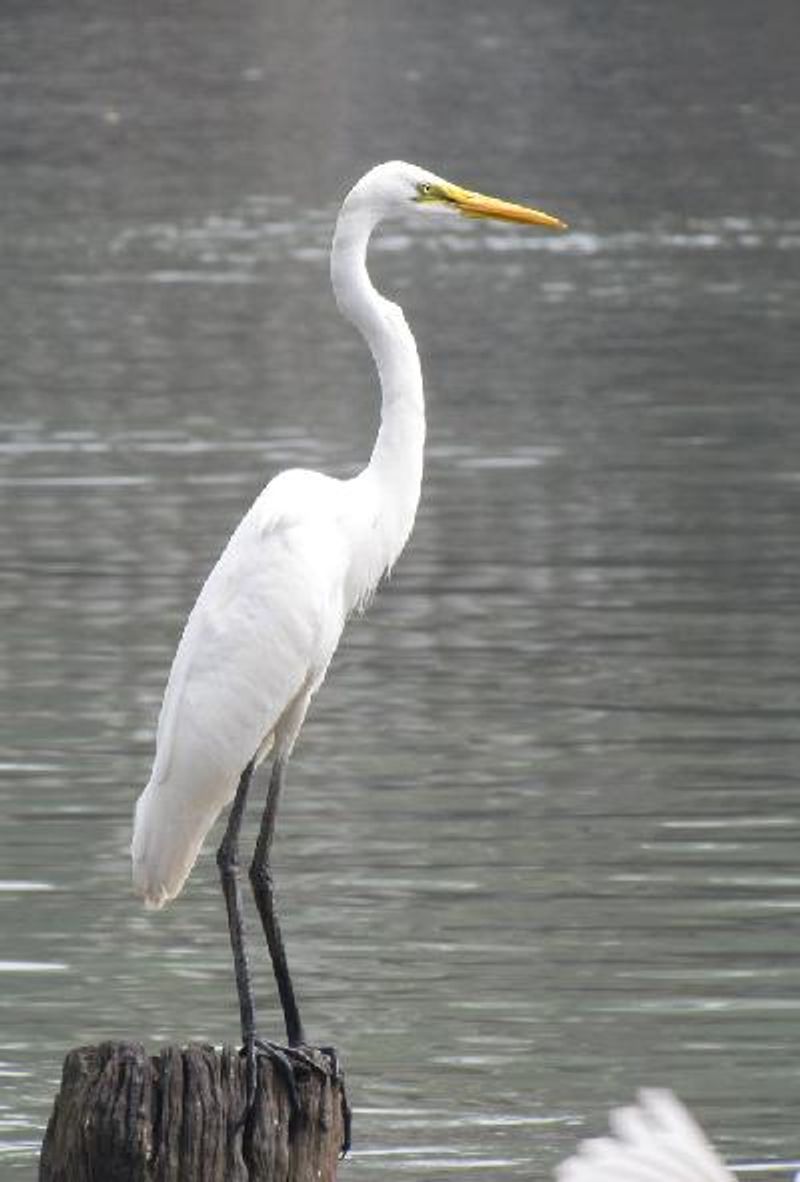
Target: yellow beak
(476, 205)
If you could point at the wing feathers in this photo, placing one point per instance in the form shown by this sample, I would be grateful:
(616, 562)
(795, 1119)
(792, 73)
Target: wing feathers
(655, 1140)
(261, 633)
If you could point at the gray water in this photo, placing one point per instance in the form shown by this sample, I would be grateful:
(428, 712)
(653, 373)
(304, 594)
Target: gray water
(539, 844)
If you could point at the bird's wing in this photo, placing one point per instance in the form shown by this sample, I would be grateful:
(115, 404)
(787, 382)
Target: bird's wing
(264, 625)
(655, 1140)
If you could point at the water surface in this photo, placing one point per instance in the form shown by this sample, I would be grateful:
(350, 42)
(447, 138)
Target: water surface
(539, 844)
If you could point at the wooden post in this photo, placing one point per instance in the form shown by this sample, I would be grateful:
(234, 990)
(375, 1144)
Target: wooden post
(124, 1116)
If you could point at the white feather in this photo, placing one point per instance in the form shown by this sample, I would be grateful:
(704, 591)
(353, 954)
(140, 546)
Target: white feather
(311, 548)
(265, 625)
(654, 1141)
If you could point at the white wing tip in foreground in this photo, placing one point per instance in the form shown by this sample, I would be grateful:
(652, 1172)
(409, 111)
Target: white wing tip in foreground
(655, 1140)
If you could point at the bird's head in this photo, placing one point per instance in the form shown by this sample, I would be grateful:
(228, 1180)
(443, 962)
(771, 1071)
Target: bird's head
(396, 188)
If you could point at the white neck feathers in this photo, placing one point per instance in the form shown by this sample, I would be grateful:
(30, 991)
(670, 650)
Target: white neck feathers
(395, 466)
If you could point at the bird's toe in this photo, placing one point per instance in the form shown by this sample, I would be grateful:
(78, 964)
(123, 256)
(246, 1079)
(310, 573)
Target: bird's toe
(255, 1048)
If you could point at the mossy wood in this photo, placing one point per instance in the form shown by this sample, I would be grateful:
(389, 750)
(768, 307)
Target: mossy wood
(125, 1116)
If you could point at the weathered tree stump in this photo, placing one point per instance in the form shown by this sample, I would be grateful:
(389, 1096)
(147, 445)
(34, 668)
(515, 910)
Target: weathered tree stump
(124, 1116)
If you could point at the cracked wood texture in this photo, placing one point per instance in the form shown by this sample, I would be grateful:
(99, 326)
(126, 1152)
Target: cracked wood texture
(125, 1116)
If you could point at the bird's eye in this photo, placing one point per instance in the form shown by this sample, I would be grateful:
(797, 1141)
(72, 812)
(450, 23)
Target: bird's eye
(425, 190)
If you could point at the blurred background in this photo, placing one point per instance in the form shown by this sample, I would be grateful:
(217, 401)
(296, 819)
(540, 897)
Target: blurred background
(539, 840)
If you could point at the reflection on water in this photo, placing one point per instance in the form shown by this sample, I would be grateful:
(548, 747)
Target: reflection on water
(539, 841)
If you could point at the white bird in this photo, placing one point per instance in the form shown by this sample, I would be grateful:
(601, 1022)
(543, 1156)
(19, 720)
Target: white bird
(259, 639)
(655, 1140)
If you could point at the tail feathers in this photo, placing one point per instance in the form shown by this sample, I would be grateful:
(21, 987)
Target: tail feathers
(654, 1141)
(165, 845)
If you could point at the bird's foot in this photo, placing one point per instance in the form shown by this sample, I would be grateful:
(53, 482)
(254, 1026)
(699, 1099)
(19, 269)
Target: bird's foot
(281, 1058)
(334, 1063)
(287, 1061)
(336, 1075)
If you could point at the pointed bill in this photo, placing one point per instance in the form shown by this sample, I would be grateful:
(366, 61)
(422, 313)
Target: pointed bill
(476, 205)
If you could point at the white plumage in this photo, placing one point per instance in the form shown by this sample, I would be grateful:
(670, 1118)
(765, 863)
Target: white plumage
(260, 637)
(255, 648)
(265, 625)
(654, 1141)
(268, 619)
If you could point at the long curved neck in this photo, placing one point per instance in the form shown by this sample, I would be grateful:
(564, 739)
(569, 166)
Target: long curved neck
(396, 461)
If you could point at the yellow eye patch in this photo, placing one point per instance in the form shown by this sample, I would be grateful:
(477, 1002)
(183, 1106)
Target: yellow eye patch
(427, 191)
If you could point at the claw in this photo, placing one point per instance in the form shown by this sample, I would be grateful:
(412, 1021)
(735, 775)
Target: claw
(284, 1060)
(279, 1057)
(335, 1068)
(251, 1079)
(301, 1055)
(336, 1074)
(347, 1121)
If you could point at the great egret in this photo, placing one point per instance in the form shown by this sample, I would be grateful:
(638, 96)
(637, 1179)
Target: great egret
(655, 1140)
(266, 623)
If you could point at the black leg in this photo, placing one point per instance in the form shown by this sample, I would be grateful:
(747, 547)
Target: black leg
(228, 863)
(261, 878)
